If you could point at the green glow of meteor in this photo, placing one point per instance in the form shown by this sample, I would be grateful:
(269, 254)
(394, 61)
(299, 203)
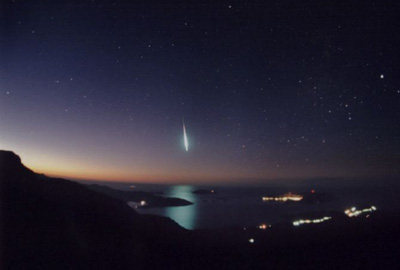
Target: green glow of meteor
(185, 140)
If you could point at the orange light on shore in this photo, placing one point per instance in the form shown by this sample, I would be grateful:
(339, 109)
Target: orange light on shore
(263, 227)
(353, 212)
(285, 197)
(308, 221)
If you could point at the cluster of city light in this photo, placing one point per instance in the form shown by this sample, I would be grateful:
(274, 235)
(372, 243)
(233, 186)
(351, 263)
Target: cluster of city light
(309, 221)
(285, 197)
(353, 212)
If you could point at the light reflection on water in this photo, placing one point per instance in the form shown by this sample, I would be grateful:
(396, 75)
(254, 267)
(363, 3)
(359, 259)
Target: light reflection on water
(185, 215)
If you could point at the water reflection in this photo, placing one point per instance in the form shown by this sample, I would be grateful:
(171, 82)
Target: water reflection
(186, 215)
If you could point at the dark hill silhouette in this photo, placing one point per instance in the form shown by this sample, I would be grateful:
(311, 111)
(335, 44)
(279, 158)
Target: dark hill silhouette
(11, 166)
(50, 223)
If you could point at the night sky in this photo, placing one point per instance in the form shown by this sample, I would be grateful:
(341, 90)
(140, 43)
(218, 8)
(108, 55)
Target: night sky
(268, 90)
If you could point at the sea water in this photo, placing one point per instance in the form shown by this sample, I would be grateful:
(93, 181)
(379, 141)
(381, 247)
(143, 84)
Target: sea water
(243, 205)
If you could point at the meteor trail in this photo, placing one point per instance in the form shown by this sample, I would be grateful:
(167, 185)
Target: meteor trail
(185, 140)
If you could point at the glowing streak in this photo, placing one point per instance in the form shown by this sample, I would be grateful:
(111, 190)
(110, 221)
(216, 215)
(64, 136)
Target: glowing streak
(185, 140)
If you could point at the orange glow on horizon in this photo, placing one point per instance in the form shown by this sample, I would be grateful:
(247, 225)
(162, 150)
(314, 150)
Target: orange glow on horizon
(122, 176)
(139, 169)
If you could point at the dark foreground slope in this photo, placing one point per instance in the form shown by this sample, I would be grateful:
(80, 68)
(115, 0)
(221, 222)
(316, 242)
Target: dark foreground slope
(49, 223)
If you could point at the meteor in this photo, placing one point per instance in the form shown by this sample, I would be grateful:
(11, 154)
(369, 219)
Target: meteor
(185, 140)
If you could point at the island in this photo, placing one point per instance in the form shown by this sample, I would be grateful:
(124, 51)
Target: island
(204, 191)
(137, 199)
